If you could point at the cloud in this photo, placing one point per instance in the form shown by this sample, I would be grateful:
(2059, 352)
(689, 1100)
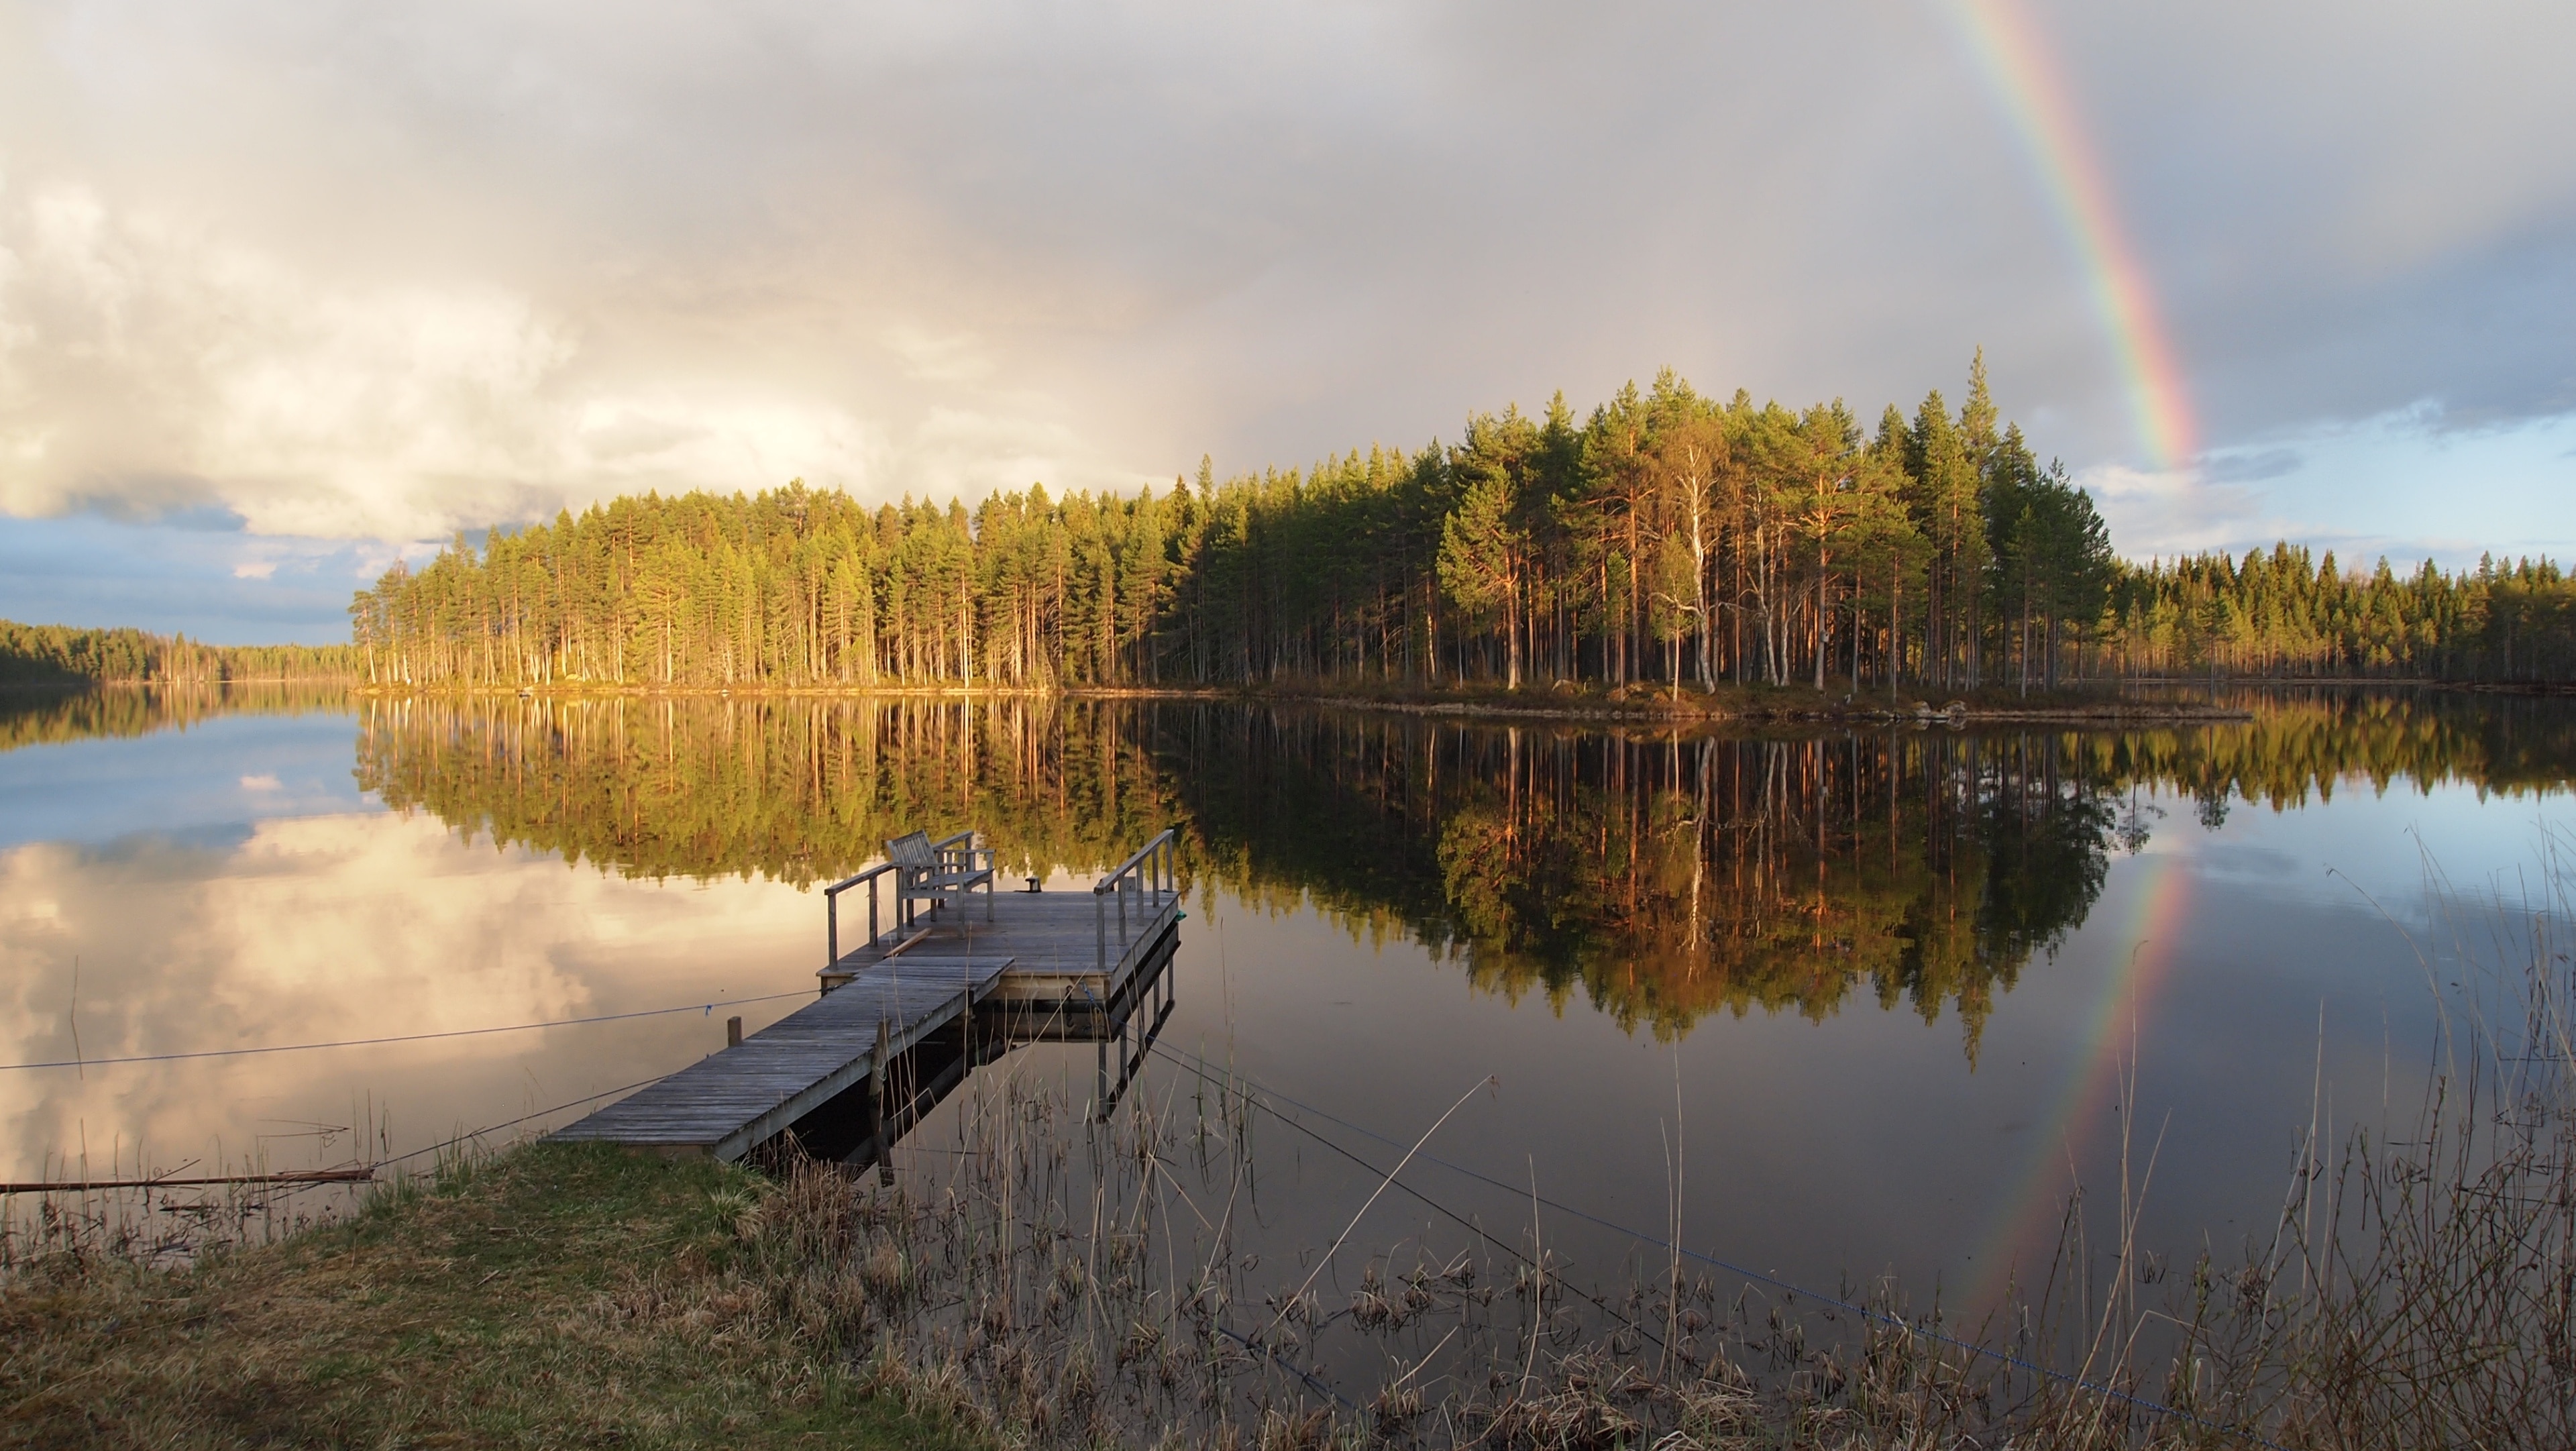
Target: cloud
(323, 928)
(2159, 514)
(86, 569)
(335, 411)
(345, 272)
(2249, 467)
(171, 375)
(939, 357)
(2411, 483)
(255, 569)
(959, 451)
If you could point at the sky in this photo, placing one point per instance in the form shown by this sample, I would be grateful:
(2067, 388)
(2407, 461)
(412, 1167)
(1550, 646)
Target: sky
(292, 288)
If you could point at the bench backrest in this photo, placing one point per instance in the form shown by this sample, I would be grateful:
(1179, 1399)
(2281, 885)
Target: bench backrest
(912, 850)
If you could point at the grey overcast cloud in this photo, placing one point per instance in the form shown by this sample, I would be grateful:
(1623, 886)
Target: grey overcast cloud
(288, 290)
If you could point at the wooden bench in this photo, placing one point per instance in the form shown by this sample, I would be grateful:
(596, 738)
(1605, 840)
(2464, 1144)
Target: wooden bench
(940, 873)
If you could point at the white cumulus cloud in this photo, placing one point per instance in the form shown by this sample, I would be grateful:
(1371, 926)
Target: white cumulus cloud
(367, 272)
(153, 365)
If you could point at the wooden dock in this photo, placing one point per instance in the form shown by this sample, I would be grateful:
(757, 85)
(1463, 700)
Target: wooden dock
(1008, 966)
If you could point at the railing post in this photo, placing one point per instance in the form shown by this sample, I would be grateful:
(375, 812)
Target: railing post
(872, 911)
(1100, 937)
(831, 928)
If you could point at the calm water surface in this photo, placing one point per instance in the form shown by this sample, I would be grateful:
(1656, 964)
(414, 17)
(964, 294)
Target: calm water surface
(1879, 1000)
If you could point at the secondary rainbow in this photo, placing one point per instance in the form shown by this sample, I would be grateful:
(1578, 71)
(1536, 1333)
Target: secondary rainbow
(2015, 60)
(2036, 1193)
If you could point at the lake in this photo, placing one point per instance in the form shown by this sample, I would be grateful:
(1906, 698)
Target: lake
(1843, 1002)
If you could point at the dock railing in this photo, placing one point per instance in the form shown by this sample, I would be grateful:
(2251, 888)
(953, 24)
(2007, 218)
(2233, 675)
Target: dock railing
(869, 878)
(1153, 869)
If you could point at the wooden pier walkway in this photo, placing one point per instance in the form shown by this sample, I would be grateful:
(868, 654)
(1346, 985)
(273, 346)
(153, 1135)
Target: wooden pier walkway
(1022, 965)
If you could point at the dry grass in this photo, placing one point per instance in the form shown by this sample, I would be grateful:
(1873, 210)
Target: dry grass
(2419, 1286)
(1056, 1282)
(554, 1296)
(1053, 1281)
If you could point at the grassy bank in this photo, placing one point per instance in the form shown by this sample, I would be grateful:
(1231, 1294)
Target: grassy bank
(1049, 1280)
(555, 1296)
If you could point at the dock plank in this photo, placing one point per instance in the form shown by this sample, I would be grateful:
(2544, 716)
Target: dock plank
(728, 1102)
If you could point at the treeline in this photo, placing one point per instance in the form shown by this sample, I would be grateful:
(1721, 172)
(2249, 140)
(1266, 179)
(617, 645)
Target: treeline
(2290, 614)
(1668, 537)
(65, 655)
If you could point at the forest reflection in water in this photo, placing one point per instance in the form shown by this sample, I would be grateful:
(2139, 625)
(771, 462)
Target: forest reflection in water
(1610, 913)
(1662, 876)
(52, 715)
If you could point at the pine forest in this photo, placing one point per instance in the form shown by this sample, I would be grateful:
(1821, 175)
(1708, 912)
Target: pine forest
(1668, 540)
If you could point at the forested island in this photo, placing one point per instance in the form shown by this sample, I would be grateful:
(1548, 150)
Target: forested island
(1668, 541)
(1668, 538)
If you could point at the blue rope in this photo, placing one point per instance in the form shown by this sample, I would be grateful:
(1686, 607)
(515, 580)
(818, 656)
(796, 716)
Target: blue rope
(704, 1009)
(1210, 1073)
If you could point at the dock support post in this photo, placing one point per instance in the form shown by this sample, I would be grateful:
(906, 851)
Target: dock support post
(733, 1032)
(877, 1104)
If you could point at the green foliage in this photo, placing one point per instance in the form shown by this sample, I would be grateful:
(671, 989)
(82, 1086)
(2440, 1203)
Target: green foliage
(63, 655)
(2285, 613)
(2053, 566)
(792, 587)
(1667, 537)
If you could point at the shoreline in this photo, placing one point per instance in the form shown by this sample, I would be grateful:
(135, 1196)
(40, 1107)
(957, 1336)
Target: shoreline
(1757, 705)
(2091, 703)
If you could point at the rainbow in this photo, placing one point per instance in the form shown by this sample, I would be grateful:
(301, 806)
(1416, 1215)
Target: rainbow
(2016, 62)
(2033, 1201)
